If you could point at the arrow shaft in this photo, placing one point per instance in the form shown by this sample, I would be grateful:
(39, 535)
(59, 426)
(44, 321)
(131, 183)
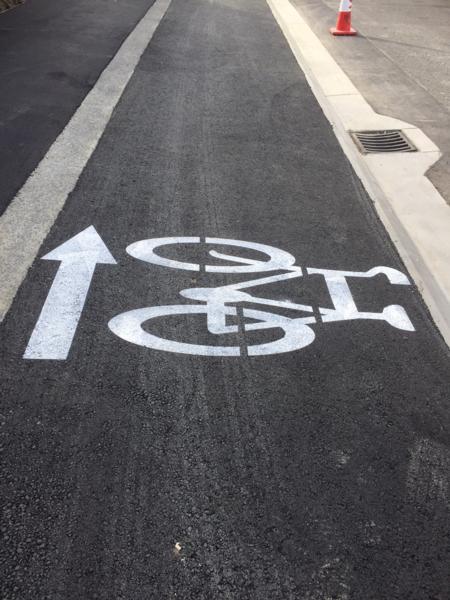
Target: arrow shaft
(54, 331)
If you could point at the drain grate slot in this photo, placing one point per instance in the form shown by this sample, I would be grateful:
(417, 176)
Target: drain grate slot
(392, 140)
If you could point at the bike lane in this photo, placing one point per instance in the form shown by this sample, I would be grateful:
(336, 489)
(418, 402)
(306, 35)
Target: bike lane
(131, 472)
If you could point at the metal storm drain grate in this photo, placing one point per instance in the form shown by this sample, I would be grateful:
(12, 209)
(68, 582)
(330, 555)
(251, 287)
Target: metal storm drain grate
(392, 140)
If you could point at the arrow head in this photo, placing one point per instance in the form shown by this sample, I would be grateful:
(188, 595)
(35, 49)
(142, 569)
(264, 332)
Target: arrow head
(87, 245)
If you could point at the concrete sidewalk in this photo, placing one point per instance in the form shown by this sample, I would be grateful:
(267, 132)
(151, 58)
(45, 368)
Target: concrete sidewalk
(400, 63)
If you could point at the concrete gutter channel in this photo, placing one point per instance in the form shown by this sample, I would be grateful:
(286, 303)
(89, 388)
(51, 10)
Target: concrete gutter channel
(416, 216)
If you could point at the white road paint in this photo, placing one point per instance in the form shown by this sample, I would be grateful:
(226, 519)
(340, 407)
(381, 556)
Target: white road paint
(296, 333)
(344, 305)
(128, 326)
(53, 334)
(279, 259)
(29, 217)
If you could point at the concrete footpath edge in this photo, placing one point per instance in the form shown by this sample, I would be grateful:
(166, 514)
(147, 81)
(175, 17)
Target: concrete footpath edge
(414, 213)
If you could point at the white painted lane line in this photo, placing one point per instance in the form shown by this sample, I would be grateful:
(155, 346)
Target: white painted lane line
(29, 217)
(52, 337)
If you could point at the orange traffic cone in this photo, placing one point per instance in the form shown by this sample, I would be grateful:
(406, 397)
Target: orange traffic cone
(344, 20)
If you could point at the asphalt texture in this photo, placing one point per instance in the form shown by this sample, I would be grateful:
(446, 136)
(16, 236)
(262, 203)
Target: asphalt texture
(51, 54)
(131, 473)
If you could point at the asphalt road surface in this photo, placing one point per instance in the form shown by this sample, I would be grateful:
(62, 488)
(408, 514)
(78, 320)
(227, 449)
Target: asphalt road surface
(181, 452)
(51, 54)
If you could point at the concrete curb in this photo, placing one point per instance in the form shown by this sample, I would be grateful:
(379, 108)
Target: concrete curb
(412, 210)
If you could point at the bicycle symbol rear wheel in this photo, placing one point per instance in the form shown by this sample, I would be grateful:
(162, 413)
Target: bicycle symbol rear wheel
(296, 333)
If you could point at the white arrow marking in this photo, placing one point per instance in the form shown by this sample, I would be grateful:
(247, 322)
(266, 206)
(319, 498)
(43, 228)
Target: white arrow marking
(54, 331)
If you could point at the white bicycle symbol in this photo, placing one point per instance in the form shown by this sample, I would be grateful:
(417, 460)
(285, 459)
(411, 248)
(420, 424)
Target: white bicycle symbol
(218, 303)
